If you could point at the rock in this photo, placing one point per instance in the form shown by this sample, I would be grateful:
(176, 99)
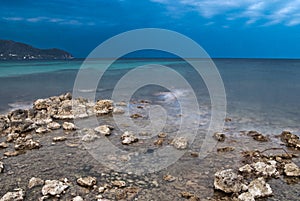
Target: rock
(118, 110)
(225, 149)
(258, 136)
(13, 153)
(42, 117)
(259, 188)
(18, 115)
(186, 195)
(12, 136)
(4, 123)
(22, 127)
(24, 143)
(290, 139)
(119, 184)
(136, 116)
(53, 126)
(77, 198)
(291, 169)
(128, 138)
(54, 187)
(89, 135)
(162, 135)
(59, 139)
(42, 129)
(3, 145)
(68, 126)
(219, 136)
(180, 143)
(103, 107)
(1, 166)
(17, 195)
(64, 111)
(159, 141)
(228, 181)
(41, 104)
(169, 178)
(104, 130)
(266, 169)
(33, 182)
(101, 189)
(246, 169)
(87, 181)
(246, 197)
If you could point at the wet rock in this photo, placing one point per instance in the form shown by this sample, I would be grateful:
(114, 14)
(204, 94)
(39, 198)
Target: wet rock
(118, 110)
(3, 145)
(34, 181)
(225, 149)
(54, 187)
(89, 135)
(136, 116)
(25, 143)
(1, 166)
(17, 195)
(18, 115)
(180, 143)
(128, 138)
(87, 181)
(291, 169)
(258, 136)
(104, 130)
(291, 140)
(228, 181)
(53, 126)
(42, 118)
(68, 126)
(219, 136)
(119, 184)
(169, 178)
(59, 139)
(77, 198)
(41, 104)
(42, 130)
(22, 127)
(103, 107)
(259, 188)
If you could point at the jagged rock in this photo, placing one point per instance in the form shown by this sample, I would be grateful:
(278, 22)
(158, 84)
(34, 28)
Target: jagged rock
(34, 181)
(54, 187)
(266, 169)
(68, 126)
(291, 140)
(104, 129)
(103, 107)
(12, 136)
(246, 197)
(180, 143)
(3, 145)
(53, 126)
(42, 130)
(246, 169)
(258, 136)
(259, 188)
(42, 117)
(59, 139)
(291, 169)
(128, 138)
(77, 198)
(87, 181)
(219, 136)
(4, 123)
(25, 143)
(228, 181)
(88, 135)
(17, 195)
(22, 127)
(1, 166)
(64, 111)
(41, 104)
(119, 184)
(18, 115)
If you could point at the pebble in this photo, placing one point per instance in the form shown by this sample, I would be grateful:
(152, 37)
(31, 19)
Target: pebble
(87, 181)
(59, 139)
(219, 136)
(180, 143)
(169, 178)
(34, 181)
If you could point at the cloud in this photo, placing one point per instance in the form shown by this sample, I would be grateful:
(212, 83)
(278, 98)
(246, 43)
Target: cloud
(13, 18)
(269, 12)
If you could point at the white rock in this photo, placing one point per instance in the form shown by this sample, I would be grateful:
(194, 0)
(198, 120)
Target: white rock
(77, 198)
(118, 110)
(68, 126)
(53, 126)
(180, 143)
(89, 135)
(128, 138)
(1, 166)
(87, 181)
(104, 129)
(33, 182)
(228, 181)
(259, 188)
(54, 187)
(103, 107)
(246, 197)
(265, 169)
(17, 195)
(41, 130)
(291, 169)
(246, 168)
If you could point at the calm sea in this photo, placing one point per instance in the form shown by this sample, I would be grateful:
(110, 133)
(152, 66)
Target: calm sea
(261, 93)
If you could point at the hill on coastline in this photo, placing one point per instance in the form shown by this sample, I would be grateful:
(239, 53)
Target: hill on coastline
(11, 50)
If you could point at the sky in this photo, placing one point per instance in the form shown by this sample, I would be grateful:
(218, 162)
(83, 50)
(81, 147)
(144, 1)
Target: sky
(224, 28)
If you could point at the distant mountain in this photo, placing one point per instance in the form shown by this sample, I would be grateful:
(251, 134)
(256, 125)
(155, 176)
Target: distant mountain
(10, 50)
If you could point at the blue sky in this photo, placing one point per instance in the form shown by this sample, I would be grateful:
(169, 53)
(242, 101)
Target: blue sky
(224, 28)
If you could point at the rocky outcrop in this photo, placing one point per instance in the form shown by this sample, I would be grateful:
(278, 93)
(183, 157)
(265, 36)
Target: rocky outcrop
(291, 140)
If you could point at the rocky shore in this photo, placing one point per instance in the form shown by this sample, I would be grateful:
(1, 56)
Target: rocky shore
(42, 157)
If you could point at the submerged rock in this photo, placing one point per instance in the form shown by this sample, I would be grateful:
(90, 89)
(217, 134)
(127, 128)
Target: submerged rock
(103, 107)
(291, 169)
(104, 129)
(89, 135)
(128, 138)
(34, 181)
(54, 187)
(87, 181)
(228, 181)
(180, 143)
(68, 126)
(17, 195)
